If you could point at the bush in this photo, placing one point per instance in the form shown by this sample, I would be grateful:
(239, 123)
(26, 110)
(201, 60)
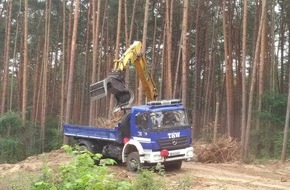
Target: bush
(147, 180)
(82, 173)
(10, 150)
(17, 142)
(10, 124)
(274, 109)
(53, 134)
(267, 139)
(10, 143)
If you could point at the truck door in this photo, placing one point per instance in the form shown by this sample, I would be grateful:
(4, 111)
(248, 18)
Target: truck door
(141, 125)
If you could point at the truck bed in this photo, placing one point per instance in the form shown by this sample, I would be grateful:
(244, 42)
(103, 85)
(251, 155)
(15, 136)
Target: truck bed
(90, 132)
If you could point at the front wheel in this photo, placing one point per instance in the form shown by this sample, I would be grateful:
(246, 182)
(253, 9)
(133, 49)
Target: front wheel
(133, 162)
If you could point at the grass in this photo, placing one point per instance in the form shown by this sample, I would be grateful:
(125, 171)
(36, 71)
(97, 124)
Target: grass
(20, 180)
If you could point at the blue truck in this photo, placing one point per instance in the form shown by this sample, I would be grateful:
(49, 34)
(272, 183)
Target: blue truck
(157, 132)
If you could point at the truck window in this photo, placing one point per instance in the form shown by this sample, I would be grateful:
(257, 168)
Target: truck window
(168, 119)
(141, 121)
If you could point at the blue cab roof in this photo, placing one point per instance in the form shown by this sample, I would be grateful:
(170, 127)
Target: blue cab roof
(162, 105)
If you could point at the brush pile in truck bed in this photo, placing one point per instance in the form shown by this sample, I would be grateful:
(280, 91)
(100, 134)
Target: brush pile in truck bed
(225, 149)
(108, 123)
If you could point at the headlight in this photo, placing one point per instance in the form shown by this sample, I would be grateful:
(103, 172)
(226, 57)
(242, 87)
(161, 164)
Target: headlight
(189, 153)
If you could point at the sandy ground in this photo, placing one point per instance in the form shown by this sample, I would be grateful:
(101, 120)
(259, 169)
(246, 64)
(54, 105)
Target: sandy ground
(193, 175)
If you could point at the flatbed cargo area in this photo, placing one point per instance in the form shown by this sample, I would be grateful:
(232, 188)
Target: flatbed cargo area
(82, 131)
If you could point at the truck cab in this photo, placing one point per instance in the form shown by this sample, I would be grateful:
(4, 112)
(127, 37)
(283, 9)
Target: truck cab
(157, 132)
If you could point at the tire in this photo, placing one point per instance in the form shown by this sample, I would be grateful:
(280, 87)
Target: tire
(86, 145)
(133, 162)
(174, 165)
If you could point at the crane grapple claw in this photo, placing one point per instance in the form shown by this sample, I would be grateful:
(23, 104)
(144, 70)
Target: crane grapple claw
(113, 84)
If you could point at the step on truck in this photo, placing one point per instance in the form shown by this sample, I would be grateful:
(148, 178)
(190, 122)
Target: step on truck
(157, 132)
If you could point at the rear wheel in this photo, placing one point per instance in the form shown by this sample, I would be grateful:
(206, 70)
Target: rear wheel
(133, 162)
(86, 145)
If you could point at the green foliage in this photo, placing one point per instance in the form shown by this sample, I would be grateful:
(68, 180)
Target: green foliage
(274, 109)
(10, 144)
(10, 150)
(17, 142)
(267, 139)
(160, 168)
(53, 134)
(268, 142)
(147, 180)
(81, 173)
(10, 123)
(278, 143)
(185, 182)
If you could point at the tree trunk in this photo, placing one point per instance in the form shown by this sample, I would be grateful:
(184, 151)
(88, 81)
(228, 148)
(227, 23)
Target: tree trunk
(126, 25)
(37, 82)
(163, 66)
(244, 90)
(71, 68)
(96, 21)
(14, 58)
(6, 57)
(129, 40)
(117, 49)
(253, 80)
(282, 46)
(153, 57)
(25, 64)
(84, 91)
(144, 46)
(261, 70)
(177, 79)
(132, 21)
(184, 76)
(286, 127)
(45, 71)
(168, 76)
(228, 64)
(196, 111)
(63, 77)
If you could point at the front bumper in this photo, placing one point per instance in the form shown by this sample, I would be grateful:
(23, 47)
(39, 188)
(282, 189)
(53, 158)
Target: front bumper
(179, 154)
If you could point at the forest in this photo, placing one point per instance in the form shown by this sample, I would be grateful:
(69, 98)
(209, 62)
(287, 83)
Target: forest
(227, 60)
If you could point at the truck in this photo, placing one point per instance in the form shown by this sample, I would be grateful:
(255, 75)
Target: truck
(156, 132)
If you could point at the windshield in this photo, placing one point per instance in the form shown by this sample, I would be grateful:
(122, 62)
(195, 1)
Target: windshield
(170, 119)
(161, 120)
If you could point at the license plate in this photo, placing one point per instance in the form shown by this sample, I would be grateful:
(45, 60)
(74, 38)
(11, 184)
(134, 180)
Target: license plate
(174, 153)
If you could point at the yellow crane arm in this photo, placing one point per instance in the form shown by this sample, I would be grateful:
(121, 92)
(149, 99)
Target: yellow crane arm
(114, 83)
(134, 55)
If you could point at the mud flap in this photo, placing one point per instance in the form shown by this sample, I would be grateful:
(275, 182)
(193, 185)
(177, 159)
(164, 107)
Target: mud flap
(113, 84)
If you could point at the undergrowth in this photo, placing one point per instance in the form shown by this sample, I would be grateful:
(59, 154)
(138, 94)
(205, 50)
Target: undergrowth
(83, 173)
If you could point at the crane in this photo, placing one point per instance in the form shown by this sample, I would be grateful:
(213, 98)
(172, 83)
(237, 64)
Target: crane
(115, 84)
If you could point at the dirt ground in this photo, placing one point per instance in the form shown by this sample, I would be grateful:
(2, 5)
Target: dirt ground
(193, 175)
